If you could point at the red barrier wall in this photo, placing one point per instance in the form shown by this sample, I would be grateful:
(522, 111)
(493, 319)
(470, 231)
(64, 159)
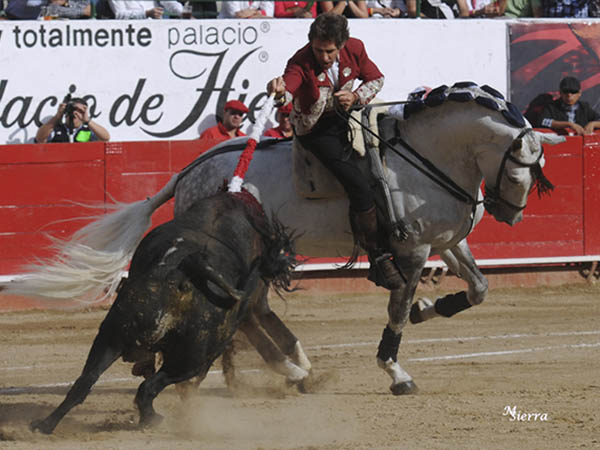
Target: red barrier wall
(40, 186)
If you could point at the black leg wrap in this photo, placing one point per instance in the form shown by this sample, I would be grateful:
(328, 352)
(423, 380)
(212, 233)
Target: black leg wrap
(388, 347)
(451, 304)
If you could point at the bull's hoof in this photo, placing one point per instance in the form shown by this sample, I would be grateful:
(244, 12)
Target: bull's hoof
(42, 426)
(404, 388)
(151, 420)
(304, 386)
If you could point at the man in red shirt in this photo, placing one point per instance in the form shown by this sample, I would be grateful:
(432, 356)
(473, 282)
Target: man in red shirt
(284, 130)
(318, 80)
(229, 127)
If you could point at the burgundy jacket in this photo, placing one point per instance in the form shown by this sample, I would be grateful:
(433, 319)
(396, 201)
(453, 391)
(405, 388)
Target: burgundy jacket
(311, 91)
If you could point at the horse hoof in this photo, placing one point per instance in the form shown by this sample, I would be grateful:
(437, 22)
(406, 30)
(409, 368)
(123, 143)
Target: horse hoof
(405, 388)
(42, 426)
(151, 420)
(418, 309)
(415, 314)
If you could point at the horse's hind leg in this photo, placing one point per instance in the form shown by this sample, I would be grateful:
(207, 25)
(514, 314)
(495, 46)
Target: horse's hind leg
(460, 260)
(101, 356)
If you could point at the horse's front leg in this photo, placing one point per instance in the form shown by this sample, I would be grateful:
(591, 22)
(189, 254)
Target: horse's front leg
(398, 313)
(460, 260)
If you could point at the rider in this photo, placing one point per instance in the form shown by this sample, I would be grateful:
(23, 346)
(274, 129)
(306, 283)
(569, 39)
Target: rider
(319, 79)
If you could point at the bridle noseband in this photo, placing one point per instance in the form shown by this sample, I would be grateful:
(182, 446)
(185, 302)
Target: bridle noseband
(492, 196)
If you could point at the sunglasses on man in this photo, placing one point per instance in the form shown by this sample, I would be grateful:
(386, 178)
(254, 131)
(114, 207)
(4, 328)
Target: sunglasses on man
(570, 91)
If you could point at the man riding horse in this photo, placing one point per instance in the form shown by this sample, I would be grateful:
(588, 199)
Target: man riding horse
(318, 80)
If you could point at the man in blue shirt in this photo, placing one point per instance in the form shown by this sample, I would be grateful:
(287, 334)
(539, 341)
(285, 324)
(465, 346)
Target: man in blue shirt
(568, 111)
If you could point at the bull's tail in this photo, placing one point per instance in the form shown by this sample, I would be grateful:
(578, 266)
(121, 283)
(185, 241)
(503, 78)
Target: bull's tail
(89, 266)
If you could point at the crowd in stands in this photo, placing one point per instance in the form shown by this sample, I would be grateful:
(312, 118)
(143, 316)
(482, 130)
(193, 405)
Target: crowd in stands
(442, 9)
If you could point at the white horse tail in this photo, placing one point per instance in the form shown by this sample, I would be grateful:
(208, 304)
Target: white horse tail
(89, 266)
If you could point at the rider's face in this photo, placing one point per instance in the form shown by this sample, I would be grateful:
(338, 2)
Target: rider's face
(325, 52)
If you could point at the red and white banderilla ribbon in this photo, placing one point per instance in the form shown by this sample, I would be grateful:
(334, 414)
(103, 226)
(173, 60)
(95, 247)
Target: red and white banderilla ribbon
(235, 185)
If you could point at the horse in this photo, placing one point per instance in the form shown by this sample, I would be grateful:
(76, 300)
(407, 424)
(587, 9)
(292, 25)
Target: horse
(439, 151)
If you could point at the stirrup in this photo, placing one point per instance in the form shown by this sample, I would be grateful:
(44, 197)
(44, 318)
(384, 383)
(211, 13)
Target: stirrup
(383, 272)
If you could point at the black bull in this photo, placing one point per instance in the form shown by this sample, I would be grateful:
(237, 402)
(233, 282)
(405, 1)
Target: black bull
(192, 283)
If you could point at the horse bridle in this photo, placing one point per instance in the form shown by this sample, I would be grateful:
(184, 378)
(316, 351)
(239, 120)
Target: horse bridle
(492, 194)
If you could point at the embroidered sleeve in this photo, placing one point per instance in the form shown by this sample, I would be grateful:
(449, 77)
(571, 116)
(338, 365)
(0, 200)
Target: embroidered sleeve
(368, 90)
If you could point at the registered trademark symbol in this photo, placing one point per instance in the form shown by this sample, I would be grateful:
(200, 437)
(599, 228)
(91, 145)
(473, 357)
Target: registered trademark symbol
(265, 27)
(263, 56)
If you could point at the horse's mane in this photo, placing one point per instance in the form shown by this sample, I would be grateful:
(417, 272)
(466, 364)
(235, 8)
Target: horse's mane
(462, 92)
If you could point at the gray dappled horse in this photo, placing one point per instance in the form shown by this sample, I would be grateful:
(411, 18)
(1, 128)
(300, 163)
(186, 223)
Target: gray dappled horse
(447, 145)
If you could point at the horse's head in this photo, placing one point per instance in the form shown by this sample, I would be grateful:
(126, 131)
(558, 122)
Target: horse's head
(511, 176)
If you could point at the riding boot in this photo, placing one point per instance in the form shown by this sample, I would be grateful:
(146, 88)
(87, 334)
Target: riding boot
(382, 271)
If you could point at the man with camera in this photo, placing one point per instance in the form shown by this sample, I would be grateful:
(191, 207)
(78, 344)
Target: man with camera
(76, 127)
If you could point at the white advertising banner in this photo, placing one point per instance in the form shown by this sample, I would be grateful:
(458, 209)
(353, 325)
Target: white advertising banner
(167, 79)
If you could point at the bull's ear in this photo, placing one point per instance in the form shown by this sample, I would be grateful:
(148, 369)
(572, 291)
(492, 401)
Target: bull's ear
(201, 275)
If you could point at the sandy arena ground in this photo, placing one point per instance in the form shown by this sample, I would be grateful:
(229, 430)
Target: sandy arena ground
(537, 350)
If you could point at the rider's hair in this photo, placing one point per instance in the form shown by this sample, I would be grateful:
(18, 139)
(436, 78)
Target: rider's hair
(330, 27)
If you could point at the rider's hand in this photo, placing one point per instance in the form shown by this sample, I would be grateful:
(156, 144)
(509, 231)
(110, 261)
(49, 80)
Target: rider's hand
(277, 86)
(346, 99)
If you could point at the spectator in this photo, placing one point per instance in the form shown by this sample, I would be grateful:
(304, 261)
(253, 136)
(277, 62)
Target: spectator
(487, 8)
(565, 8)
(71, 9)
(568, 111)
(204, 9)
(141, 9)
(229, 127)
(439, 9)
(296, 9)
(386, 8)
(76, 127)
(284, 130)
(594, 8)
(348, 8)
(24, 9)
(246, 10)
(518, 9)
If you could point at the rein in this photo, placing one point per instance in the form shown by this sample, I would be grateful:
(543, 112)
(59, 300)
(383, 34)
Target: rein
(492, 195)
(430, 170)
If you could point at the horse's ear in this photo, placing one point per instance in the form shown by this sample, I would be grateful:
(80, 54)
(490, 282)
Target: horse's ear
(550, 138)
